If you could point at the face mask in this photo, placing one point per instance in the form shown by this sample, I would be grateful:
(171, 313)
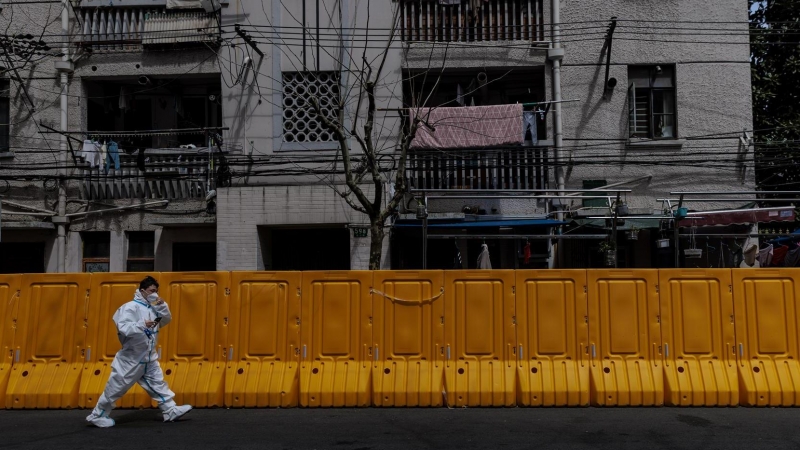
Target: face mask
(152, 298)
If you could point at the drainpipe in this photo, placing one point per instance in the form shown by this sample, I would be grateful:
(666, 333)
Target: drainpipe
(64, 67)
(555, 54)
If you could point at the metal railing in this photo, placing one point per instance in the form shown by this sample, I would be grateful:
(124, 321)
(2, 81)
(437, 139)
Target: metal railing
(169, 174)
(524, 168)
(471, 20)
(131, 28)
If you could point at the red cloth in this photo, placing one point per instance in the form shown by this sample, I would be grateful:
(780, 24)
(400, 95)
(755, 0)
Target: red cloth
(527, 252)
(468, 127)
(778, 255)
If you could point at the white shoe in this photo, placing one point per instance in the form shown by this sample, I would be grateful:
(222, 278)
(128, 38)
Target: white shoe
(100, 421)
(176, 412)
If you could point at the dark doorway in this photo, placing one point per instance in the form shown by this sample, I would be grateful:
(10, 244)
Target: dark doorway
(194, 256)
(311, 249)
(22, 257)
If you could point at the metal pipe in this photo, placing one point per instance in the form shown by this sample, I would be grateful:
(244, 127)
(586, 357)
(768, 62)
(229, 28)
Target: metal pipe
(29, 208)
(120, 208)
(735, 200)
(520, 236)
(61, 240)
(603, 188)
(18, 213)
(735, 193)
(492, 191)
(557, 124)
(532, 197)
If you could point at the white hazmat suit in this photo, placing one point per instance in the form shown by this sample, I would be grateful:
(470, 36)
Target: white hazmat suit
(137, 361)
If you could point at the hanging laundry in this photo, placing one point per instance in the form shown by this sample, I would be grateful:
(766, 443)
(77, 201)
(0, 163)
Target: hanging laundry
(792, 258)
(765, 256)
(140, 160)
(529, 124)
(779, 255)
(113, 155)
(750, 261)
(468, 127)
(460, 95)
(91, 153)
(103, 153)
(457, 261)
(527, 253)
(483, 259)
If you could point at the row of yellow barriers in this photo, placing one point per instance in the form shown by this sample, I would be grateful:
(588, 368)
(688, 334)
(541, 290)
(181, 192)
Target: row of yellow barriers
(427, 338)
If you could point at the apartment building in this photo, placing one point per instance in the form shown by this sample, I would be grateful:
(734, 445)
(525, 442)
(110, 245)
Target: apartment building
(223, 166)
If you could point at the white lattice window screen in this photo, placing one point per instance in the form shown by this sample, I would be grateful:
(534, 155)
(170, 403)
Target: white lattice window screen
(300, 122)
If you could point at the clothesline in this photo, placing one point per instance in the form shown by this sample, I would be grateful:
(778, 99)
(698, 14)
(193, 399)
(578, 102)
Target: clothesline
(164, 132)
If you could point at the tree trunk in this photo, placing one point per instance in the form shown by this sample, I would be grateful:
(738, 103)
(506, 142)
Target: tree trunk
(376, 243)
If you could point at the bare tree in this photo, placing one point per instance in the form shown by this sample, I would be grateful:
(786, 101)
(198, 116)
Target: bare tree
(365, 164)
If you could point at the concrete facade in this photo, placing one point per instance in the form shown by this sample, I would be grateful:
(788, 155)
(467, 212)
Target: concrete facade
(272, 186)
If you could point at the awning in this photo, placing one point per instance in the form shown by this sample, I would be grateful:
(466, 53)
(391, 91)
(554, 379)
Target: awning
(739, 217)
(479, 223)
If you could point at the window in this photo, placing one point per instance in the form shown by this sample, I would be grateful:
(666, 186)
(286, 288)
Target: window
(96, 251)
(141, 251)
(594, 202)
(651, 102)
(194, 256)
(300, 122)
(5, 115)
(28, 257)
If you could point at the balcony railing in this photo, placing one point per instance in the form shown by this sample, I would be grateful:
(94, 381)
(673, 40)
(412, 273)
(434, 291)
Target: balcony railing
(169, 174)
(131, 28)
(470, 20)
(524, 168)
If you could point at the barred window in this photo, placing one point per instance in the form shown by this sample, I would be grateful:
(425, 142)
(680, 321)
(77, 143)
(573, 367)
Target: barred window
(300, 122)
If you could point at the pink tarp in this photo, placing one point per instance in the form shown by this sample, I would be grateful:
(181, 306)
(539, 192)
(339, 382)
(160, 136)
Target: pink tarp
(469, 127)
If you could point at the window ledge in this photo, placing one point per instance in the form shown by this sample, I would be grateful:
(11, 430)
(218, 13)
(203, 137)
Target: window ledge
(6, 155)
(654, 144)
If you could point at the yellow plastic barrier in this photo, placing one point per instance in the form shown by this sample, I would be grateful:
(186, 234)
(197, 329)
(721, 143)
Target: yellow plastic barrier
(108, 292)
(625, 333)
(767, 324)
(336, 331)
(552, 337)
(9, 307)
(193, 358)
(50, 340)
(480, 364)
(263, 340)
(408, 335)
(698, 337)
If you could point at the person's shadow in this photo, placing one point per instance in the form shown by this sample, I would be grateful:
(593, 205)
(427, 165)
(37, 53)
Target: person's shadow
(141, 417)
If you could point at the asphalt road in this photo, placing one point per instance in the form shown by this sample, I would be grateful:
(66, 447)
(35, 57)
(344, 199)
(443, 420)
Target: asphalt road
(374, 428)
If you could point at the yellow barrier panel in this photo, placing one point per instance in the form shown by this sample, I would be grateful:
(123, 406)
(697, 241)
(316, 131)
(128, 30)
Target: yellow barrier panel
(698, 337)
(408, 336)
(480, 367)
(767, 324)
(336, 335)
(625, 333)
(108, 292)
(552, 335)
(193, 358)
(9, 307)
(50, 339)
(263, 340)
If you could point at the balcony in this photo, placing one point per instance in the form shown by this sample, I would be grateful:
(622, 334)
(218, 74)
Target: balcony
(471, 21)
(134, 28)
(170, 174)
(524, 168)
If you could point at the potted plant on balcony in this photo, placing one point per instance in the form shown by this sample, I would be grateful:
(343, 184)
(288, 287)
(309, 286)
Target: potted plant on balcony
(609, 250)
(632, 234)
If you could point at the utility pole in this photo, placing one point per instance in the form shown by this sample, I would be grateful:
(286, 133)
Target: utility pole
(64, 68)
(555, 54)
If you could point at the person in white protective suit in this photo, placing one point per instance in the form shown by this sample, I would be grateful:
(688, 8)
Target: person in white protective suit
(138, 322)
